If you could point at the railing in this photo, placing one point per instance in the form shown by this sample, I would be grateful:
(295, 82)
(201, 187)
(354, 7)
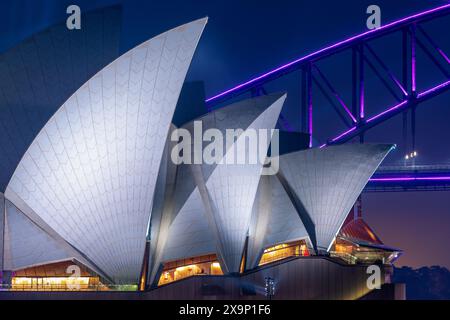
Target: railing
(69, 288)
(345, 256)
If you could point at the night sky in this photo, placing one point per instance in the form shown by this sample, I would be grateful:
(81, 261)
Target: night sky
(246, 38)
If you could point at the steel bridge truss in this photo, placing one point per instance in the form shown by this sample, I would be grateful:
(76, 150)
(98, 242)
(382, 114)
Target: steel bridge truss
(404, 90)
(410, 178)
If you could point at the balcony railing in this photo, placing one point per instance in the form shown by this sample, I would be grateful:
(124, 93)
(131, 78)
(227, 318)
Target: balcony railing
(54, 287)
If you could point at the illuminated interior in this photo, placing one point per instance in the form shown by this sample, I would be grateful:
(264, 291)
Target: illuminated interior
(353, 253)
(197, 266)
(53, 283)
(283, 251)
(54, 277)
(143, 277)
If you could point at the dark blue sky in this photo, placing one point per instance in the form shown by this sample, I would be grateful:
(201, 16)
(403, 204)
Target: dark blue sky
(245, 38)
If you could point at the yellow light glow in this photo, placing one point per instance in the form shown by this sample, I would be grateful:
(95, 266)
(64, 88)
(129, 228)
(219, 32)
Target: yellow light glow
(216, 269)
(282, 251)
(50, 283)
(343, 248)
(181, 272)
(372, 236)
(274, 248)
(184, 268)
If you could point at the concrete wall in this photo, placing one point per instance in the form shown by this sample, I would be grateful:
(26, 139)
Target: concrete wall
(298, 278)
(389, 291)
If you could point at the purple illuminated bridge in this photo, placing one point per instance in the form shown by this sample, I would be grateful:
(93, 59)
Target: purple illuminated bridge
(410, 178)
(403, 89)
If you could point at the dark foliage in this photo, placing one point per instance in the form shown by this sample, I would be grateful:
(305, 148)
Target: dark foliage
(426, 283)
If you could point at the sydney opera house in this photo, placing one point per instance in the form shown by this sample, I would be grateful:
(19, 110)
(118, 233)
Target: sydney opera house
(90, 199)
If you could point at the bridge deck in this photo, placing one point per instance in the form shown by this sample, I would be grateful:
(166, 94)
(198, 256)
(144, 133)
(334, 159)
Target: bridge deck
(410, 178)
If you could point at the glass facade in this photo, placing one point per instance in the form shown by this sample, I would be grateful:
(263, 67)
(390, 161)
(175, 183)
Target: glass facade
(283, 251)
(352, 253)
(197, 266)
(56, 284)
(55, 277)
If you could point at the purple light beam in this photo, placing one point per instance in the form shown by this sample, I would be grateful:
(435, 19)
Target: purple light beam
(399, 179)
(329, 48)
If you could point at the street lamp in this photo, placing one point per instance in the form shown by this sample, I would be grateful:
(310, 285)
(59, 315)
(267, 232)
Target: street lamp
(411, 156)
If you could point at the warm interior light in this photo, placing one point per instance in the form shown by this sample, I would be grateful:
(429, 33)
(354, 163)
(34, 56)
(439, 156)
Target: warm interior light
(353, 253)
(51, 283)
(184, 271)
(216, 269)
(284, 250)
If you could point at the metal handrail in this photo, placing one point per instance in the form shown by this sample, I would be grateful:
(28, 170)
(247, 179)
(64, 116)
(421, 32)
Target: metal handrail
(67, 288)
